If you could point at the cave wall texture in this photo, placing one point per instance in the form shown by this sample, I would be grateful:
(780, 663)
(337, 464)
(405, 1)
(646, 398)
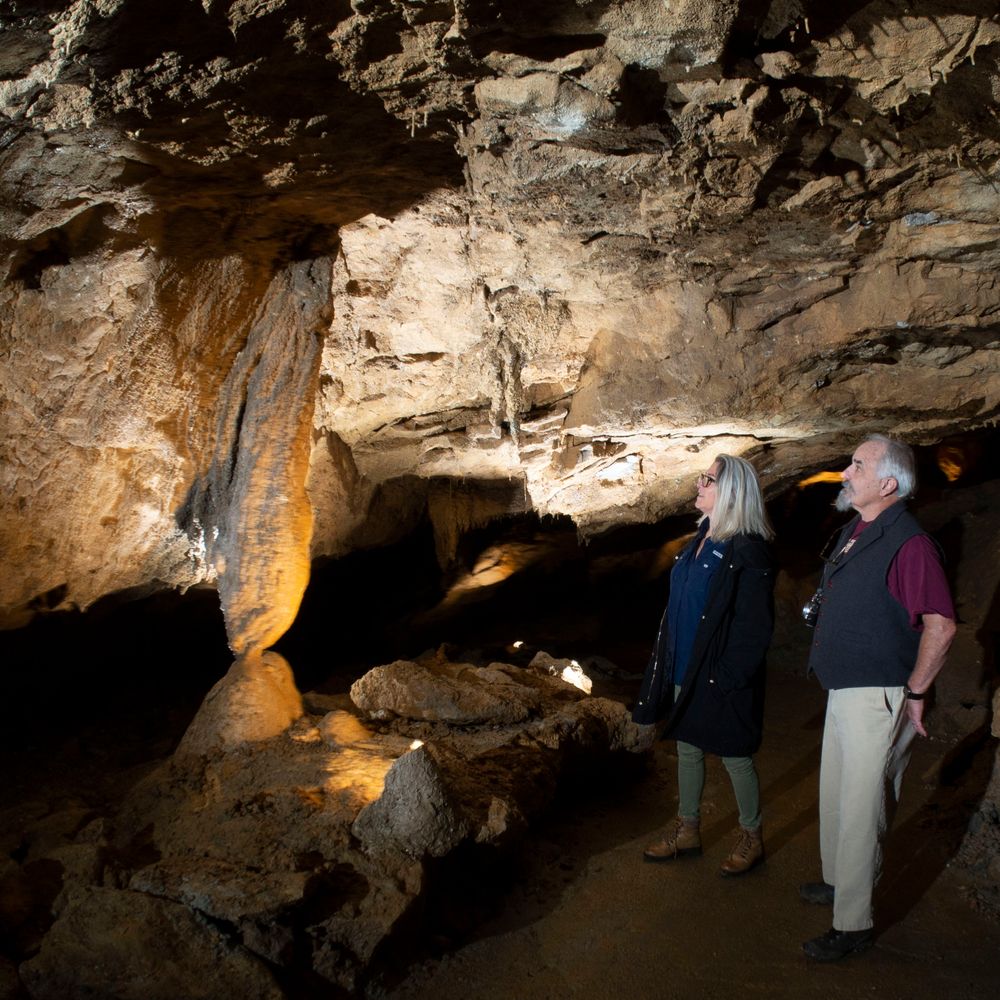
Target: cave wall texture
(278, 276)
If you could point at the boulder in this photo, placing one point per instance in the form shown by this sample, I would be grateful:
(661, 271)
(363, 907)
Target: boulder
(133, 946)
(415, 813)
(458, 693)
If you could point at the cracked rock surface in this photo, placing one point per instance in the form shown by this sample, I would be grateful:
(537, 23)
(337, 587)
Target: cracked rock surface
(281, 278)
(274, 273)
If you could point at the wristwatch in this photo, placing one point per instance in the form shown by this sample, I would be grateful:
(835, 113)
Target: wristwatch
(915, 695)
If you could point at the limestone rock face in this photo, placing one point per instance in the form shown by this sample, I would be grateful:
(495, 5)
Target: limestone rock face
(278, 279)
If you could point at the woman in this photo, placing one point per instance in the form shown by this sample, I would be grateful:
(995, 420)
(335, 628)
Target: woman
(705, 679)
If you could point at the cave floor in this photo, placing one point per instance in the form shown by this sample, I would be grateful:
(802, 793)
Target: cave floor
(587, 918)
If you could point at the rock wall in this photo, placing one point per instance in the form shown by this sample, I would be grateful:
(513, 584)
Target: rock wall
(280, 277)
(269, 266)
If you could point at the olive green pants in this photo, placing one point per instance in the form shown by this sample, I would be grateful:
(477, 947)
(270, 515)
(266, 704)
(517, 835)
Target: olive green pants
(691, 781)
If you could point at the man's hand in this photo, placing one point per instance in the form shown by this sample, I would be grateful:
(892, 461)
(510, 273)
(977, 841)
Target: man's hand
(915, 710)
(934, 642)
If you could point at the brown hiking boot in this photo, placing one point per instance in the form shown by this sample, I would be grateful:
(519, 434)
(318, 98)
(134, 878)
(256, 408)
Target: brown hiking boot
(680, 838)
(747, 853)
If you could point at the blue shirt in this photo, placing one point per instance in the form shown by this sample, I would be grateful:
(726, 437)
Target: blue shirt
(689, 582)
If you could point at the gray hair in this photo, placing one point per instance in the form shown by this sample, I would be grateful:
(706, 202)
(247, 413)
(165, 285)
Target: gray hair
(739, 503)
(897, 462)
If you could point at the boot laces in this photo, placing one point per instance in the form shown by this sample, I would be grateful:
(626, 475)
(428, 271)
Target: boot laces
(744, 844)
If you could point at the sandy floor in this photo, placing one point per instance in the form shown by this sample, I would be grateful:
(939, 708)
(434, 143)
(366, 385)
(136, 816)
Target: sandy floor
(587, 918)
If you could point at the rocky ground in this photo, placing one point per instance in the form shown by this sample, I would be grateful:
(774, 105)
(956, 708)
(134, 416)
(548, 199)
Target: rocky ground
(588, 919)
(569, 908)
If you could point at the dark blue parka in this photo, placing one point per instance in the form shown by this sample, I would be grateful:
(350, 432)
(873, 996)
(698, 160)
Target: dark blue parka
(720, 707)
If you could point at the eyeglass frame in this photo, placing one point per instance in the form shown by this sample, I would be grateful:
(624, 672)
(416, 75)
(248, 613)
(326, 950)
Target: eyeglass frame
(704, 480)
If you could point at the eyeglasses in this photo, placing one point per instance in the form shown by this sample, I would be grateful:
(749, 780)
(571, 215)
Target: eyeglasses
(705, 480)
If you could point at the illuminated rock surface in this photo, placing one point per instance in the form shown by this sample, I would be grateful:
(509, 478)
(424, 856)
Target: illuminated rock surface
(280, 278)
(270, 268)
(257, 699)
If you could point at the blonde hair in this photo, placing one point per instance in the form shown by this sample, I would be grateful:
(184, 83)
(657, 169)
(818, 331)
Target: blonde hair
(739, 503)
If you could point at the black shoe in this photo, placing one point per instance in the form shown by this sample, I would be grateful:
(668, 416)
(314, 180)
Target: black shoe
(817, 892)
(835, 945)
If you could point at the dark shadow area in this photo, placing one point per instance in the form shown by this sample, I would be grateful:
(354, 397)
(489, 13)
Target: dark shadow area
(988, 637)
(45, 251)
(570, 598)
(545, 30)
(642, 97)
(788, 175)
(126, 39)
(805, 516)
(57, 247)
(918, 850)
(749, 35)
(959, 104)
(86, 696)
(544, 48)
(351, 612)
(804, 770)
(223, 107)
(217, 198)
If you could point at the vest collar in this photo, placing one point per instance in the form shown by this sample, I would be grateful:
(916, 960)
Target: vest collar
(875, 530)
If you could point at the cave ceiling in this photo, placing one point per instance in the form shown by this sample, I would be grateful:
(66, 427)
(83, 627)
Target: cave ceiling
(279, 275)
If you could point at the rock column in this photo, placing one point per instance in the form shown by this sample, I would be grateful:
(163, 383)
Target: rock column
(252, 505)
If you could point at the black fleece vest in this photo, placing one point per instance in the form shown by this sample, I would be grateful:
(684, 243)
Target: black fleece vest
(863, 636)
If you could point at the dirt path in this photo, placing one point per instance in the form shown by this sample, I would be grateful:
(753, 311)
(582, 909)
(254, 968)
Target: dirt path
(588, 919)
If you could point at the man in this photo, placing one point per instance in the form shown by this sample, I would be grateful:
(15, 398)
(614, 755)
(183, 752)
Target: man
(884, 626)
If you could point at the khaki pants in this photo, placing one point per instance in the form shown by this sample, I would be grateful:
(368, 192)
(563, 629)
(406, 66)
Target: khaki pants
(866, 747)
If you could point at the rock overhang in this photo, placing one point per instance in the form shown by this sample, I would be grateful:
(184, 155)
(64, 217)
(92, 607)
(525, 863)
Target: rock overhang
(577, 248)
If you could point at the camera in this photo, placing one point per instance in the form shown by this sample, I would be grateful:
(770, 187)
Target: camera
(810, 610)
